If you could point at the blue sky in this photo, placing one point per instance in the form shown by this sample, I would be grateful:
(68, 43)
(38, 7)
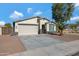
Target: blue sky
(11, 12)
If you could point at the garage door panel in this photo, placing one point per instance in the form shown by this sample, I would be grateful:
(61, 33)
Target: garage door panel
(27, 29)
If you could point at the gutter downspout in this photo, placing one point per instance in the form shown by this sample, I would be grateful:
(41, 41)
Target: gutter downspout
(13, 27)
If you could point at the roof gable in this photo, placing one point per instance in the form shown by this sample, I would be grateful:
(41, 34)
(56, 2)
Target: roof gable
(32, 18)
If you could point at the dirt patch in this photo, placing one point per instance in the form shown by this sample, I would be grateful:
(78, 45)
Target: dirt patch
(10, 45)
(66, 37)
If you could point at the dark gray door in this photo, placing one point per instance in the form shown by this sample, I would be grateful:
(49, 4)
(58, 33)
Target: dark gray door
(43, 29)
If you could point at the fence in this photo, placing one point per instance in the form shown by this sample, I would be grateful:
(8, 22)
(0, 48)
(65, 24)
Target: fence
(7, 30)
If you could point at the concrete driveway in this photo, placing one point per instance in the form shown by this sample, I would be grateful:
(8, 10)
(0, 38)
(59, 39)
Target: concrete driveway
(61, 49)
(38, 41)
(45, 45)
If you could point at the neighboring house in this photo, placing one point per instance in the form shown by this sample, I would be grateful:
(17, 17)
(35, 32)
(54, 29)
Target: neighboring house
(78, 27)
(69, 30)
(35, 25)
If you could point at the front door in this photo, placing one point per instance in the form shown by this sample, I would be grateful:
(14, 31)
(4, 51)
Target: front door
(43, 29)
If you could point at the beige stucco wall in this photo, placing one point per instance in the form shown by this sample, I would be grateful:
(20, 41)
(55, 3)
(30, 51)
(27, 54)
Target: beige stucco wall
(54, 27)
(16, 27)
(0, 31)
(42, 21)
(30, 21)
(47, 27)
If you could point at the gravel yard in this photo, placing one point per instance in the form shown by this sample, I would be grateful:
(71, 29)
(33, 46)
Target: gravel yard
(66, 37)
(10, 44)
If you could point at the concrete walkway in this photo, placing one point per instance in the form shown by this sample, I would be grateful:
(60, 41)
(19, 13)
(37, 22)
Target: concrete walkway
(62, 49)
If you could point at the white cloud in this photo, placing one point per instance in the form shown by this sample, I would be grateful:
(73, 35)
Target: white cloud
(29, 10)
(77, 5)
(38, 13)
(2, 23)
(16, 15)
(75, 18)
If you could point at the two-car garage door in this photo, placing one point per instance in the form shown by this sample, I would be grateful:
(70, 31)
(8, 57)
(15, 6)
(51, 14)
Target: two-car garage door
(24, 29)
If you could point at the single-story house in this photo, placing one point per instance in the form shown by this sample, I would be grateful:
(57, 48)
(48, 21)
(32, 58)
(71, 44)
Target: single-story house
(78, 27)
(68, 29)
(35, 25)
